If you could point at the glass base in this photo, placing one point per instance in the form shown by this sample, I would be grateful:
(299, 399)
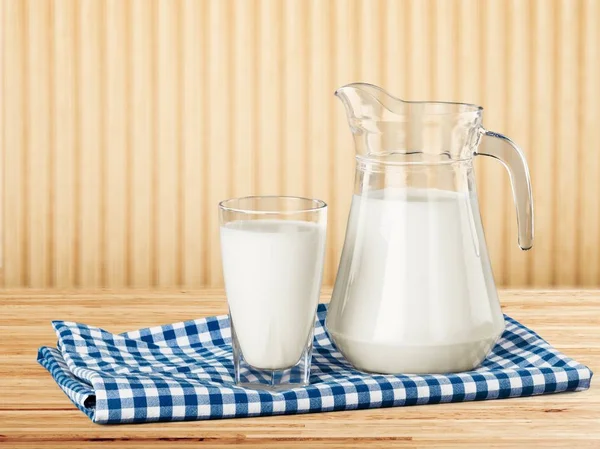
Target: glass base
(247, 376)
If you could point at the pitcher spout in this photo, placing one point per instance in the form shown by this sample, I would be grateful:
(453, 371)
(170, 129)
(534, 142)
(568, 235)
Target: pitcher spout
(365, 102)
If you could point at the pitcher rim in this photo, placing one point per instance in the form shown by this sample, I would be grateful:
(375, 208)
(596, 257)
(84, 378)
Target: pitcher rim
(472, 107)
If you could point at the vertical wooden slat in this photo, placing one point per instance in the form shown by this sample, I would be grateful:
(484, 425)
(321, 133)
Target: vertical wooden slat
(419, 37)
(2, 147)
(39, 141)
(518, 113)
(589, 144)
(395, 45)
(371, 47)
(90, 138)
(469, 52)
(320, 105)
(542, 143)
(567, 140)
(219, 136)
(168, 141)
(243, 98)
(445, 51)
(115, 152)
(195, 142)
(142, 125)
(65, 131)
(270, 106)
(495, 189)
(394, 42)
(50, 193)
(296, 142)
(468, 68)
(346, 71)
(13, 102)
(443, 60)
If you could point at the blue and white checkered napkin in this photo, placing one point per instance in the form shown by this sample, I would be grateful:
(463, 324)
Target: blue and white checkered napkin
(185, 371)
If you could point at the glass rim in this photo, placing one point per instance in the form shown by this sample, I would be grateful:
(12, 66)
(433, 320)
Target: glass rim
(317, 205)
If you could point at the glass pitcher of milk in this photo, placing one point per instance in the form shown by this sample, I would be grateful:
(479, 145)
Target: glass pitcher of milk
(415, 291)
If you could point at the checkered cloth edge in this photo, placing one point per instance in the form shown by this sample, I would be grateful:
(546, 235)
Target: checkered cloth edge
(184, 371)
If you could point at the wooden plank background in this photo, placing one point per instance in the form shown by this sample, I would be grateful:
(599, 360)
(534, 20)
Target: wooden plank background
(123, 123)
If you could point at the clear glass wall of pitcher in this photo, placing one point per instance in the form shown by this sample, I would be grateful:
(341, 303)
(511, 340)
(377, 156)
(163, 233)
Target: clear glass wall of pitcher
(415, 291)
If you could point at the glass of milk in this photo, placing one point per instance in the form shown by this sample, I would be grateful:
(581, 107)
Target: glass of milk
(273, 249)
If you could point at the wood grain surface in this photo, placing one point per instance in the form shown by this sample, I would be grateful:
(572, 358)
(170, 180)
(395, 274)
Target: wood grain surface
(35, 413)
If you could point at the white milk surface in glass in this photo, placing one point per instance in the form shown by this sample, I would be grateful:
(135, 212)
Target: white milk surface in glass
(415, 290)
(272, 271)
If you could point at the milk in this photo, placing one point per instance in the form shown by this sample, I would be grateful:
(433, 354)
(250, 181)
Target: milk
(272, 271)
(414, 291)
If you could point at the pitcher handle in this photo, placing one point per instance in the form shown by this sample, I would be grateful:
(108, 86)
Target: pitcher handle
(511, 156)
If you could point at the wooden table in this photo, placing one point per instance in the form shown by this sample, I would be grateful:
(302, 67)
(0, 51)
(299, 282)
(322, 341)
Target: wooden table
(35, 413)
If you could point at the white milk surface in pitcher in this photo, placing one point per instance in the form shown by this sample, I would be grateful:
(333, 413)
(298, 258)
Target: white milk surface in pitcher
(272, 284)
(413, 291)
